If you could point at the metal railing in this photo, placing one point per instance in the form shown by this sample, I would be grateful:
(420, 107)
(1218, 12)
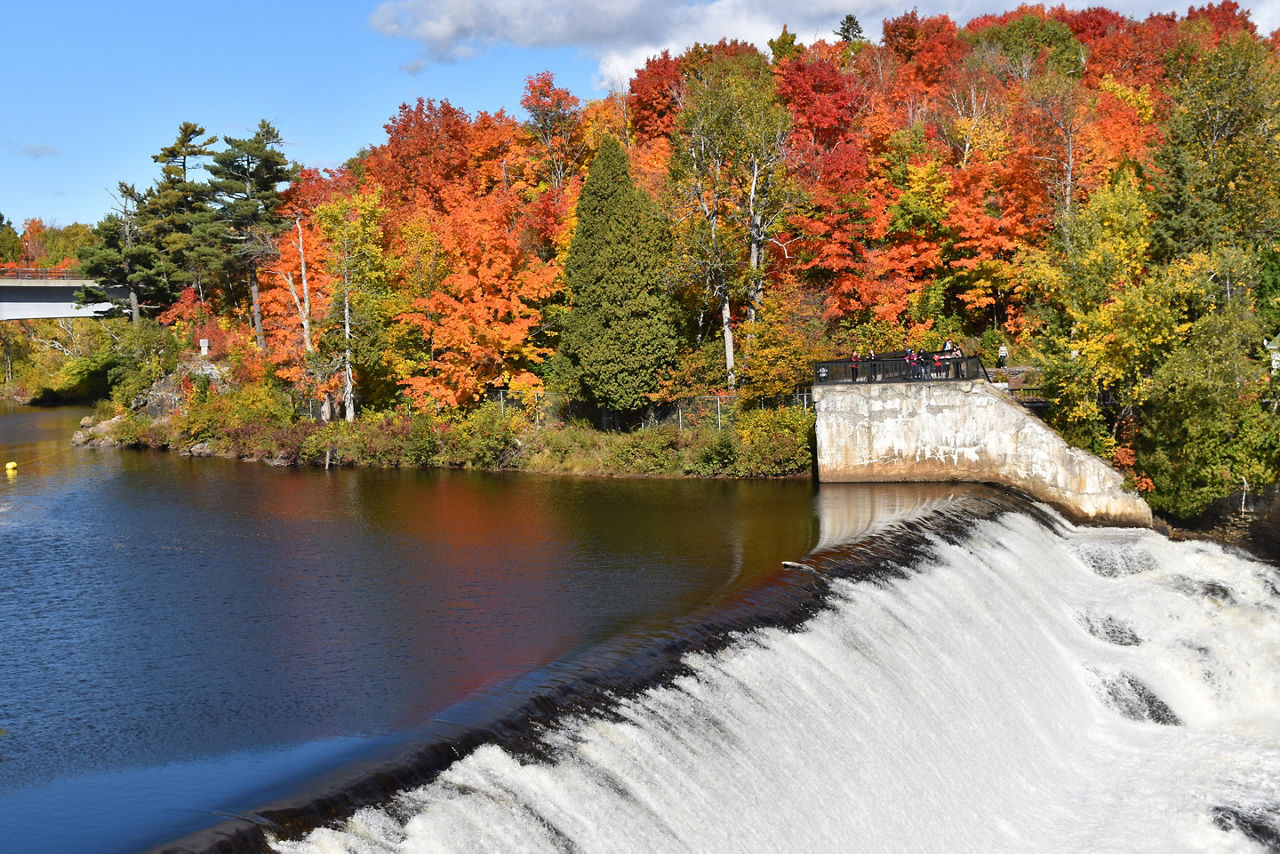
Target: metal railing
(63, 274)
(1031, 397)
(900, 368)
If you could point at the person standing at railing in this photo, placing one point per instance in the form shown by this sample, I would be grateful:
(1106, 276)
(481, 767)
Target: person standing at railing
(853, 366)
(871, 377)
(958, 354)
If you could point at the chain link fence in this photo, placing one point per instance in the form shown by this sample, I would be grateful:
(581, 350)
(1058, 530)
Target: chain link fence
(549, 409)
(710, 411)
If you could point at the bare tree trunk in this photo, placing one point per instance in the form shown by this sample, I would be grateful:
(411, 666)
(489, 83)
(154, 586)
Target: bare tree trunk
(134, 311)
(306, 291)
(348, 384)
(257, 307)
(726, 320)
(755, 289)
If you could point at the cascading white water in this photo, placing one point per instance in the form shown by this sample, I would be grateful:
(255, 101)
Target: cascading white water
(1024, 689)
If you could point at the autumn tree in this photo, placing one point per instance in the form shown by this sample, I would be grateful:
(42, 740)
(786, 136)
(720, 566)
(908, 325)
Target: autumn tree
(480, 325)
(63, 243)
(1217, 180)
(619, 338)
(653, 97)
(352, 225)
(296, 295)
(728, 172)
(784, 47)
(428, 148)
(555, 124)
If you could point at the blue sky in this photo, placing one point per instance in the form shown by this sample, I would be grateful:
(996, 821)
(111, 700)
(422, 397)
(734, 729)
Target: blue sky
(94, 88)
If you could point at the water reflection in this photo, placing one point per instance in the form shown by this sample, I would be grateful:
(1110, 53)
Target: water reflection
(180, 620)
(847, 511)
(158, 612)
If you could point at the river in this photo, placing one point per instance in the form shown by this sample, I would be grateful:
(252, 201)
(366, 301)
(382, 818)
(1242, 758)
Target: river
(187, 641)
(189, 638)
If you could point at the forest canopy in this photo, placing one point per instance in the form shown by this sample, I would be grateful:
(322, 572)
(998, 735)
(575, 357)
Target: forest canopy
(1098, 193)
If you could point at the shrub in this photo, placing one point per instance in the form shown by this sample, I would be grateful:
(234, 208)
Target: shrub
(575, 449)
(241, 420)
(104, 410)
(137, 430)
(483, 438)
(774, 442)
(421, 441)
(712, 453)
(654, 450)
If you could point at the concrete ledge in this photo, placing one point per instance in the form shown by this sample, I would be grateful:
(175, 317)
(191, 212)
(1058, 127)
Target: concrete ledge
(965, 431)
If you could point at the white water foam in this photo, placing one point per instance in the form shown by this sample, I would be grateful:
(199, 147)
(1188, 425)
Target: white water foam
(997, 700)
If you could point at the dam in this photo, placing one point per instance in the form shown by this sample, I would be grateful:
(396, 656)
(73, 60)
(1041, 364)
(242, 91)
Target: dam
(890, 421)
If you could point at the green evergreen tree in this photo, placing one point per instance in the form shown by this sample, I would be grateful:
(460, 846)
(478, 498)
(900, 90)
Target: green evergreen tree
(850, 30)
(174, 218)
(245, 180)
(620, 335)
(10, 241)
(1186, 216)
(119, 257)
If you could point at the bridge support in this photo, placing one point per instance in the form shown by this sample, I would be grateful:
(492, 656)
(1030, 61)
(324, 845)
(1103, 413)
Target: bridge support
(963, 431)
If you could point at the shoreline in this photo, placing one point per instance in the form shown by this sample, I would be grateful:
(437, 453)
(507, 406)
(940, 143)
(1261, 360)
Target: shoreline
(1247, 531)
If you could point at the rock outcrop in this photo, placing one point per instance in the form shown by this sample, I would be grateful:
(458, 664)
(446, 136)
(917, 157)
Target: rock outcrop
(963, 431)
(100, 435)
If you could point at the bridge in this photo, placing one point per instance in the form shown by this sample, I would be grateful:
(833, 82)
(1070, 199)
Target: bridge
(886, 420)
(36, 293)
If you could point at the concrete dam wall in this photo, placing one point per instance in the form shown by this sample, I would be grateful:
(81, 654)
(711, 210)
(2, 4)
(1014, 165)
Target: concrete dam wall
(965, 431)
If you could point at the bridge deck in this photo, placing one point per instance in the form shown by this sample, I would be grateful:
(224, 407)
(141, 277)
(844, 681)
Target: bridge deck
(32, 293)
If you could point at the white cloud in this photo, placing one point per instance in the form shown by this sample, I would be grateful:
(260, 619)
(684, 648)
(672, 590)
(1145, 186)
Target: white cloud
(621, 34)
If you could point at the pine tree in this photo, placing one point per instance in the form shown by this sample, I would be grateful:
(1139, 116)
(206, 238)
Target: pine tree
(850, 30)
(245, 182)
(1187, 216)
(620, 336)
(120, 258)
(174, 216)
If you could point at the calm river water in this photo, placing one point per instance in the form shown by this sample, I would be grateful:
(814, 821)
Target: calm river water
(189, 638)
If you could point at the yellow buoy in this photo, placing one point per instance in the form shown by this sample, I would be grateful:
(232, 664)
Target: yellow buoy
(11, 466)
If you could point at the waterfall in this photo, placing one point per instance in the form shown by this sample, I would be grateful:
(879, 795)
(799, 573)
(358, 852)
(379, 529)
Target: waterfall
(1010, 683)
